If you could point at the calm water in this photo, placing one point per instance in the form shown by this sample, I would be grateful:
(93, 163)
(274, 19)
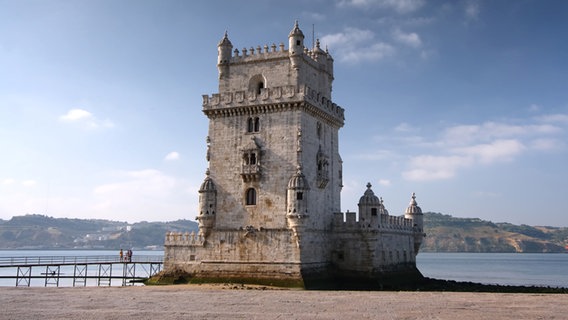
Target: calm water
(491, 268)
(538, 269)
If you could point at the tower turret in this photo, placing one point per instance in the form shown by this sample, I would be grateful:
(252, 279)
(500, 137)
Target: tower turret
(369, 204)
(224, 49)
(207, 205)
(295, 45)
(414, 212)
(297, 197)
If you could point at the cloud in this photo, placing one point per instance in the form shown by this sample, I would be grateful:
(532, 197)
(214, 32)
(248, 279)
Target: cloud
(409, 39)
(534, 108)
(472, 10)
(463, 146)
(314, 16)
(29, 183)
(547, 144)
(499, 150)
(25, 183)
(172, 156)
(430, 167)
(399, 6)
(76, 114)
(8, 181)
(85, 119)
(554, 118)
(385, 182)
(488, 131)
(355, 45)
(144, 194)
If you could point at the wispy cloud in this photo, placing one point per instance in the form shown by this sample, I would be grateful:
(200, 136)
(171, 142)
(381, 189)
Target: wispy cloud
(25, 183)
(464, 146)
(355, 45)
(149, 191)
(172, 156)
(411, 39)
(554, 118)
(472, 10)
(431, 167)
(399, 6)
(29, 183)
(85, 119)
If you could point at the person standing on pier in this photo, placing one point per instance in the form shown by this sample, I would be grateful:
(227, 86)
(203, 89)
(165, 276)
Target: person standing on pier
(121, 254)
(129, 254)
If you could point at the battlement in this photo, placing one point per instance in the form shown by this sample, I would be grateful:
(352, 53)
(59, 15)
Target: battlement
(378, 222)
(274, 95)
(315, 58)
(183, 239)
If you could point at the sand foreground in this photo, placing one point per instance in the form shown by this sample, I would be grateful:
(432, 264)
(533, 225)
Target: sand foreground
(226, 302)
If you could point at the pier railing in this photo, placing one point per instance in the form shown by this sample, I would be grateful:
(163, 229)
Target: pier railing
(100, 270)
(72, 260)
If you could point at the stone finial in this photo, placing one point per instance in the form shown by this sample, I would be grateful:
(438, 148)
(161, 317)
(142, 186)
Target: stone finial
(369, 185)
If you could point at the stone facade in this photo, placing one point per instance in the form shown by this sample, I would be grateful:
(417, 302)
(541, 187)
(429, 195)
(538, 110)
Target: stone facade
(269, 207)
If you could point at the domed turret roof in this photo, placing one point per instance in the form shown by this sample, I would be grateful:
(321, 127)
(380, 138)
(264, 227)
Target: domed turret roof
(225, 41)
(318, 49)
(298, 181)
(369, 197)
(413, 207)
(207, 184)
(296, 32)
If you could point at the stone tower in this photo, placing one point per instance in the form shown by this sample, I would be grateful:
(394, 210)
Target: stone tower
(270, 201)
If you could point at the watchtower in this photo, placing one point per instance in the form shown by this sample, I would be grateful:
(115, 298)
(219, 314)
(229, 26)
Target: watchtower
(269, 206)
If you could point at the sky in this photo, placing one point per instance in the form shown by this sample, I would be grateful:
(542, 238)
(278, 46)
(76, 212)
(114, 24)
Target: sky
(464, 103)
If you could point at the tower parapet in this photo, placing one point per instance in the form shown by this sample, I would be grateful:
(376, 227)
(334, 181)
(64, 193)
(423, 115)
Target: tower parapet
(273, 99)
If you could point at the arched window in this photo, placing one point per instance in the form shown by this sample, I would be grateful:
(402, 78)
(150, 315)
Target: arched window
(251, 197)
(253, 158)
(250, 125)
(253, 125)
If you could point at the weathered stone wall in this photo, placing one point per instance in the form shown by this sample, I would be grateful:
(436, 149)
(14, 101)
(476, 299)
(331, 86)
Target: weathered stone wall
(251, 253)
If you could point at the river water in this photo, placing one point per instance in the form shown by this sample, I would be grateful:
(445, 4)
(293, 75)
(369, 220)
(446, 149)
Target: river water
(529, 269)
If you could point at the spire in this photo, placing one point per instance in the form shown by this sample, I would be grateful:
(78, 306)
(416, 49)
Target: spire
(225, 41)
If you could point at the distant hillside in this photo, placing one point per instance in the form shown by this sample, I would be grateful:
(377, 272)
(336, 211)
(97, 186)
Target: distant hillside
(43, 232)
(445, 233)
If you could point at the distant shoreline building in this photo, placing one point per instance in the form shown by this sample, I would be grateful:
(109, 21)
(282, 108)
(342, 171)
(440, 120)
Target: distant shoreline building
(269, 207)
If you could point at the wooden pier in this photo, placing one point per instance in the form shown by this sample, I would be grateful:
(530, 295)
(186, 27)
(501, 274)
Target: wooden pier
(102, 270)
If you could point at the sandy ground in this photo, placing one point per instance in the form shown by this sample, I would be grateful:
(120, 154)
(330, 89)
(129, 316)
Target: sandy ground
(226, 302)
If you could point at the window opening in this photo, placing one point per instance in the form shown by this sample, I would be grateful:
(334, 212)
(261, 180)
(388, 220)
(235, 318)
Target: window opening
(250, 125)
(259, 87)
(299, 195)
(251, 197)
(253, 125)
